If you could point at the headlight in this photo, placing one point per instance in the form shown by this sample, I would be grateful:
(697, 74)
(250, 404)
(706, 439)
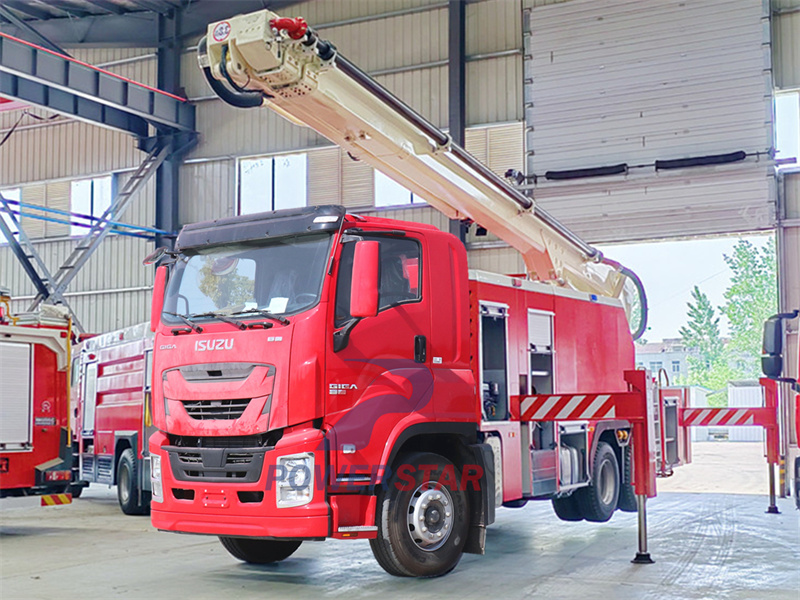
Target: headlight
(155, 479)
(295, 481)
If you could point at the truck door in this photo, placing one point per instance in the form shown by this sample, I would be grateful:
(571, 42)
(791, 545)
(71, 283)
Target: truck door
(382, 375)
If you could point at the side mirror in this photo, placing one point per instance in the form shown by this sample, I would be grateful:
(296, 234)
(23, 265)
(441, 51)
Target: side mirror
(155, 256)
(157, 304)
(364, 286)
(772, 348)
(772, 345)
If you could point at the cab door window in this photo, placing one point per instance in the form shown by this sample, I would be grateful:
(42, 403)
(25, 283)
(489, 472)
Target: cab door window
(400, 275)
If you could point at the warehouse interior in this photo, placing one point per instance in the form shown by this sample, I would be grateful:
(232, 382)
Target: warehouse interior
(628, 122)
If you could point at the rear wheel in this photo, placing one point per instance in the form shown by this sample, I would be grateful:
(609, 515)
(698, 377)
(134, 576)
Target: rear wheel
(259, 552)
(567, 508)
(422, 518)
(132, 500)
(627, 495)
(598, 500)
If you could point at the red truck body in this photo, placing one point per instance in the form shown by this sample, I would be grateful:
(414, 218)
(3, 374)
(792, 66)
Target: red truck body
(36, 453)
(112, 382)
(440, 368)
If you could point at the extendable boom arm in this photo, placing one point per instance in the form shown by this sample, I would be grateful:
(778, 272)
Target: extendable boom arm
(261, 59)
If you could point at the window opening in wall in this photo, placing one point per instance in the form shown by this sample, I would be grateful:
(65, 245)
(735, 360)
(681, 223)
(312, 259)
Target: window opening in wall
(787, 128)
(390, 193)
(88, 198)
(676, 366)
(13, 195)
(272, 183)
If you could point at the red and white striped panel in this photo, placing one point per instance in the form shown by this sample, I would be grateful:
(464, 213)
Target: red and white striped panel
(718, 416)
(567, 408)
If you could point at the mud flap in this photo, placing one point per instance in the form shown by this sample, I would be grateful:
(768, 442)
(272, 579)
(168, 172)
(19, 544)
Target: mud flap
(481, 500)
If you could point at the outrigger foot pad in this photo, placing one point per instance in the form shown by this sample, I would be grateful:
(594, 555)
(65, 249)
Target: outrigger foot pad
(643, 558)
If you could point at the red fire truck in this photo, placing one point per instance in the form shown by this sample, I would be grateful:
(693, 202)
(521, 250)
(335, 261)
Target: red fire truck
(322, 374)
(772, 363)
(112, 384)
(36, 449)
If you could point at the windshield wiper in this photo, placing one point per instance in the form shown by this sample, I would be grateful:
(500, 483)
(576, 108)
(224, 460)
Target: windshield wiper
(194, 326)
(221, 317)
(264, 313)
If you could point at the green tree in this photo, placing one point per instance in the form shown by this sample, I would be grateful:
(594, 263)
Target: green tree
(708, 360)
(751, 298)
(701, 333)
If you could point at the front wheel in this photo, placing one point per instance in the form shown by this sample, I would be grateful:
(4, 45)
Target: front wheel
(598, 500)
(422, 518)
(132, 500)
(259, 552)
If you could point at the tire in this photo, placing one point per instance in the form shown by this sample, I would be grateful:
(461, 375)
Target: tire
(598, 500)
(76, 490)
(627, 495)
(405, 548)
(567, 508)
(128, 492)
(259, 552)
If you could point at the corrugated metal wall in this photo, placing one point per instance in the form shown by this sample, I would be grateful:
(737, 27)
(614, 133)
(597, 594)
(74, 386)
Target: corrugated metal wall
(622, 82)
(786, 43)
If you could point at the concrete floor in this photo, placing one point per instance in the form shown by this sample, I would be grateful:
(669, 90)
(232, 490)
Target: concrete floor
(706, 545)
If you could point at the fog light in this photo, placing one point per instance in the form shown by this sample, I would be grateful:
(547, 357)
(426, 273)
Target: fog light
(295, 486)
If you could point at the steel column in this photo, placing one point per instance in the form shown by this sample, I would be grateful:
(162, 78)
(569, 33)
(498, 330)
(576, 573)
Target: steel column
(457, 94)
(169, 78)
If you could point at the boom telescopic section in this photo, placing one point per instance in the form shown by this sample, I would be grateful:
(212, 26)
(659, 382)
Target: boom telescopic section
(261, 59)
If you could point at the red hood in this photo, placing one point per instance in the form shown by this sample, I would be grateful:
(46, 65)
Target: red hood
(222, 382)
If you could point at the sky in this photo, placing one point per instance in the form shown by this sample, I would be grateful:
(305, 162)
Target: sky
(669, 271)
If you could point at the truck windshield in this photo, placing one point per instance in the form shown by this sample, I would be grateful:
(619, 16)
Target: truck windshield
(282, 276)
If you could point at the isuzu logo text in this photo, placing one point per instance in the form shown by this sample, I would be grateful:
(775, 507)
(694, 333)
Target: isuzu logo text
(202, 345)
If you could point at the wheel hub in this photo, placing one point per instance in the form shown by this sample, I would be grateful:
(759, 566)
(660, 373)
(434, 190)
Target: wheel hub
(430, 516)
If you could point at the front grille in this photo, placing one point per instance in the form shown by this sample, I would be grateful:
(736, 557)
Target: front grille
(264, 440)
(190, 458)
(225, 410)
(239, 458)
(216, 464)
(231, 458)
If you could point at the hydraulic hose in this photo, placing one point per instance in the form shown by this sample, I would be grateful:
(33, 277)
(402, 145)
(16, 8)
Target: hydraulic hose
(642, 325)
(239, 99)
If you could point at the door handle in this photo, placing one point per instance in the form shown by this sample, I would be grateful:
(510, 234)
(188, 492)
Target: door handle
(420, 349)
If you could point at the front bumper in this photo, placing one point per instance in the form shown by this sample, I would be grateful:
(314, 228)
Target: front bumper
(216, 503)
